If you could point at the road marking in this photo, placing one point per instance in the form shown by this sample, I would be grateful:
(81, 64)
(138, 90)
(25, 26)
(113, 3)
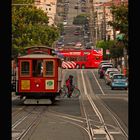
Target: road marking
(70, 118)
(91, 101)
(98, 83)
(97, 112)
(84, 83)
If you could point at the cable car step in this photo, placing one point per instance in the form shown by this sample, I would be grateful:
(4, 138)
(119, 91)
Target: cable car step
(37, 101)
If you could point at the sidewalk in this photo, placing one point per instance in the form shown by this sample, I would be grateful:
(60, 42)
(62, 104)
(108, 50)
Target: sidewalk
(120, 65)
(13, 94)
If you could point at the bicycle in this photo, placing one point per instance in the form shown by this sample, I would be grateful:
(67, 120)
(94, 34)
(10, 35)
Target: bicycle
(64, 92)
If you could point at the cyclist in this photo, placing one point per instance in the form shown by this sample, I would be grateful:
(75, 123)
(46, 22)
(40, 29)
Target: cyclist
(69, 84)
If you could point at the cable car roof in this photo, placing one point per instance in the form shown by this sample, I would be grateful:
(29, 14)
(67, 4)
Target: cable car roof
(38, 56)
(42, 49)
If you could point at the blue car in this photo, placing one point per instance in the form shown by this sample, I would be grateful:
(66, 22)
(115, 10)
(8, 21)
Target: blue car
(119, 81)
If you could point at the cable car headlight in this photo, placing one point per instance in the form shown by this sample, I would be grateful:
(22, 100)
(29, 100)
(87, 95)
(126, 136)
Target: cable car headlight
(37, 85)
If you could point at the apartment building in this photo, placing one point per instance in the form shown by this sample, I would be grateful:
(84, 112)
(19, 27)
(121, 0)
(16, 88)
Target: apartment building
(49, 7)
(103, 15)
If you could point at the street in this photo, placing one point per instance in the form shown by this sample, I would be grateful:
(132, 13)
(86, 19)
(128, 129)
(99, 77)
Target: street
(99, 113)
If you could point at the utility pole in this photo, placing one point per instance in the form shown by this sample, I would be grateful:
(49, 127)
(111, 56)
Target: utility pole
(114, 31)
(92, 23)
(97, 27)
(104, 23)
(90, 19)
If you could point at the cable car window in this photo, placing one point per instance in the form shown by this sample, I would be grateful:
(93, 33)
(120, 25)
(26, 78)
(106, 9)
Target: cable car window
(25, 68)
(37, 68)
(49, 68)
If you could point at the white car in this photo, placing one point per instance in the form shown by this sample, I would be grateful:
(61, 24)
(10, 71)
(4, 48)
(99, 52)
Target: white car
(104, 61)
(104, 64)
(103, 69)
(110, 69)
(64, 22)
(108, 76)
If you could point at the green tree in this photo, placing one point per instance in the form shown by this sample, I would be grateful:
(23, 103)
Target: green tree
(30, 27)
(61, 27)
(80, 19)
(120, 22)
(115, 52)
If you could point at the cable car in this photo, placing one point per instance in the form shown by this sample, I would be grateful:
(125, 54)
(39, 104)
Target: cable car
(39, 76)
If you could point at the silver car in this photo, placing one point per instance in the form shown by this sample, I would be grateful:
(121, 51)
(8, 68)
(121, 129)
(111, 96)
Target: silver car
(119, 81)
(108, 76)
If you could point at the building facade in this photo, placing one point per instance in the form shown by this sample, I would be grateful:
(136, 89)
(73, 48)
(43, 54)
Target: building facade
(102, 15)
(49, 7)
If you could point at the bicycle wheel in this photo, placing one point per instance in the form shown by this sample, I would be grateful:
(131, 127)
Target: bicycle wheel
(76, 92)
(63, 91)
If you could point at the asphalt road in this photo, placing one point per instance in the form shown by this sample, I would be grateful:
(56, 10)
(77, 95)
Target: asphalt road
(72, 118)
(69, 37)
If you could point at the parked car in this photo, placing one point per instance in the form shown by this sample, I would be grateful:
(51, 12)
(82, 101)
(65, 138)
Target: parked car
(103, 61)
(109, 70)
(108, 76)
(65, 22)
(76, 6)
(78, 44)
(89, 45)
(119, 81)
(103, 70)
(103, 64)
(76, 33)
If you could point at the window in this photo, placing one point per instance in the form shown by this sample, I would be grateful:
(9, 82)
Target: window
(25, 68)
(37, 68)
(49, 68)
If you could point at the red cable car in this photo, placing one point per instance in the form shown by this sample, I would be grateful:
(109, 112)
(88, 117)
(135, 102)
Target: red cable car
(39, 75)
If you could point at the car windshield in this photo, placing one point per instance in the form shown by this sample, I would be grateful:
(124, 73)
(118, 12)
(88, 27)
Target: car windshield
(111, 73)
(119, 77)
(105, 68)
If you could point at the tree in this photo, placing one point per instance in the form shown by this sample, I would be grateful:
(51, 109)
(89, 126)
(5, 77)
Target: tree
(120, 22)
(80, 19)
(30, 27)
(61, 27)
(110, 45)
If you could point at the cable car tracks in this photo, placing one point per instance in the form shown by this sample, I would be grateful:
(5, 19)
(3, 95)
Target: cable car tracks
(27, 122)
(96, 120)
(103, 130)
